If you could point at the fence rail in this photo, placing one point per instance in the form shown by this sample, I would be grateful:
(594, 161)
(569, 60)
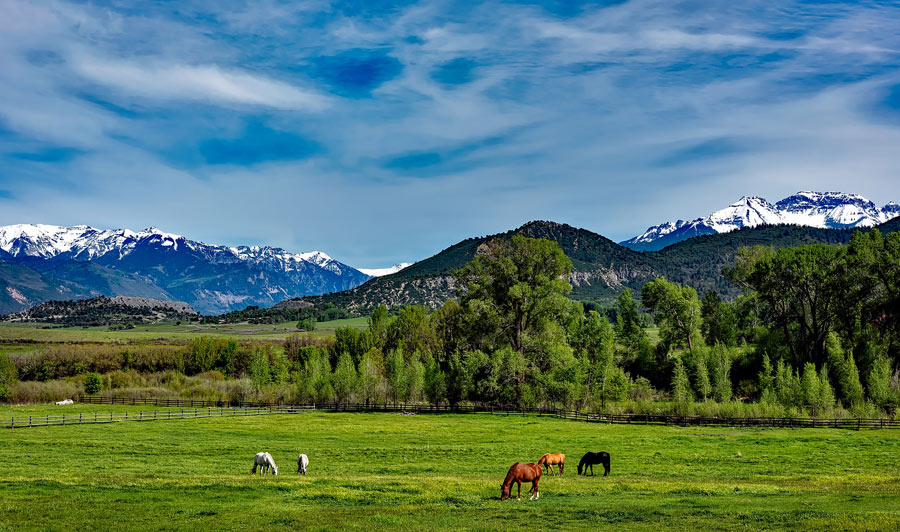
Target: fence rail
(94, 418)
(203, 408)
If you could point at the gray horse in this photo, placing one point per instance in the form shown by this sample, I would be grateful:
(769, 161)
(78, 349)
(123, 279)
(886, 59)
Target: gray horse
(302, 464)
(264, 461)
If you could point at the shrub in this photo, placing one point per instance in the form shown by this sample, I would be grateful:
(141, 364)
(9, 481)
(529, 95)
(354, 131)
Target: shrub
(93, 384)
(8, 374)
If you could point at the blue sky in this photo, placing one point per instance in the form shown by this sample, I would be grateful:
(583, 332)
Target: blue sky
(381, 132)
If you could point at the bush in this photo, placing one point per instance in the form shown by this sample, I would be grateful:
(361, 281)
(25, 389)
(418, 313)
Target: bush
(93, 384)
(8, 374)
(42, 392)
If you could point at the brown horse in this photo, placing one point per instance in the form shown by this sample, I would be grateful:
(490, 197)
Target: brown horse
(549, 460)
(519, 473)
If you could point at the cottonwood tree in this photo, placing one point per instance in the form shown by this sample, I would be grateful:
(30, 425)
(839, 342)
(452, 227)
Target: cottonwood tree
(677, 311)
(515, 288)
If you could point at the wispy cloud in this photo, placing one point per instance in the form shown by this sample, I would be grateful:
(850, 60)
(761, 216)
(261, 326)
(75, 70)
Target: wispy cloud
(205, 83)
(464, 118)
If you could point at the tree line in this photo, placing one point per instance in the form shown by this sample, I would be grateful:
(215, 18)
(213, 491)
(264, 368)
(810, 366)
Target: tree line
(815, 332)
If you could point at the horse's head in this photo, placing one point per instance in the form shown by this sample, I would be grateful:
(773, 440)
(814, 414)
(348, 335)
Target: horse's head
(274, 469)
(504, 492)
(579, 469)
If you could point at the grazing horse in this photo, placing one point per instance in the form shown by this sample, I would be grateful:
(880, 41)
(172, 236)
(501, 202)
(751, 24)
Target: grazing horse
(548, 461)
(519, 473)
(264, 461)
(302, 463)
(589, 459)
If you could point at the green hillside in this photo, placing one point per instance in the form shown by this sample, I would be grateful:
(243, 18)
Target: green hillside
(602, 268)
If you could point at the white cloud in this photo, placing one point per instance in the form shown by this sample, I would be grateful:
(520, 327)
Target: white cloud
(210, 83)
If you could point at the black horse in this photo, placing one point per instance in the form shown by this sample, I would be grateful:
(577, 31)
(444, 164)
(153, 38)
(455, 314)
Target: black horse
(590, 459)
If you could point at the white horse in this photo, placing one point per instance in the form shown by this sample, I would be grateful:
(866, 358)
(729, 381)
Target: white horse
(264, 461)
(302, 464)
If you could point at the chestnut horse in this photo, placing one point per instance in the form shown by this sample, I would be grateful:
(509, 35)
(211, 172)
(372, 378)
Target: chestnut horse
(549, 460)
(519, 473)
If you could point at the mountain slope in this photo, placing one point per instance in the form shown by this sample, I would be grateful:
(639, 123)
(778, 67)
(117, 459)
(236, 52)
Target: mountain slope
(44, 262)
(601, 268)
(832, 210)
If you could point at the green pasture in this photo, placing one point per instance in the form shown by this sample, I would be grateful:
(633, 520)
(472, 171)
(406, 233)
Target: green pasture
(31, 332)
(442, 472)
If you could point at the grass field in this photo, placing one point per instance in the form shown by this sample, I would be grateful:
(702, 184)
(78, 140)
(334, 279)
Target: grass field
(30, 332)
(442, 472)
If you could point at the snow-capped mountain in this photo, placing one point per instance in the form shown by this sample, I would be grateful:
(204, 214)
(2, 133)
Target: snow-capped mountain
(814, 209)
(154, 263)
(380, 272)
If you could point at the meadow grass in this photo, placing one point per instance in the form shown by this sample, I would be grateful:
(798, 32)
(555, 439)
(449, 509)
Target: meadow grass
(32, 332)
(442, 472)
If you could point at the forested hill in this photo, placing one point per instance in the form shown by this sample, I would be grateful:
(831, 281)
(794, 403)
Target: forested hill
(104, 310)
(602, 268)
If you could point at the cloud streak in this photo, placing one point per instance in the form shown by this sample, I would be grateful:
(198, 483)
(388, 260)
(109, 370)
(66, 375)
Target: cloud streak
(204, 83)
(307, 127)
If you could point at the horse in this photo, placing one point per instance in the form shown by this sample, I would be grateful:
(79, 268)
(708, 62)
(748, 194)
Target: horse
(264, 461)
(519, 473)
(548, 460)
(589, 459)
(302, 463)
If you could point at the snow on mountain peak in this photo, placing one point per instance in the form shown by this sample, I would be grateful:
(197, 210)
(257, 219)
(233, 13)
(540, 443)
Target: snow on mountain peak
(807, 208)
(378, 272)
(87, 243)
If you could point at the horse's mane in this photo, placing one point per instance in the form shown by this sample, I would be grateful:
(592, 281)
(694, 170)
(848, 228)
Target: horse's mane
(509, 476)
(543, 458)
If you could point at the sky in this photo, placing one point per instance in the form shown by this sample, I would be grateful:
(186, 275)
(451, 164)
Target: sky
(381, 132)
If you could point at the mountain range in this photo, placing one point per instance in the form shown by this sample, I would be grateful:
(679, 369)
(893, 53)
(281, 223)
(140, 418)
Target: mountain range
(832, 210)
(601, 268)
(45, 262)
(42, 262)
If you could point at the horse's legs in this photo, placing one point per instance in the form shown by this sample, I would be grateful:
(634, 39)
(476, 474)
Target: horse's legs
(534, 488)
(519, 483)
(605, 469)
(561, 466)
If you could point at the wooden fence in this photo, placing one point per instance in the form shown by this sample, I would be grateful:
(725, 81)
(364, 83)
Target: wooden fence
(241, 408)
(93, 418)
